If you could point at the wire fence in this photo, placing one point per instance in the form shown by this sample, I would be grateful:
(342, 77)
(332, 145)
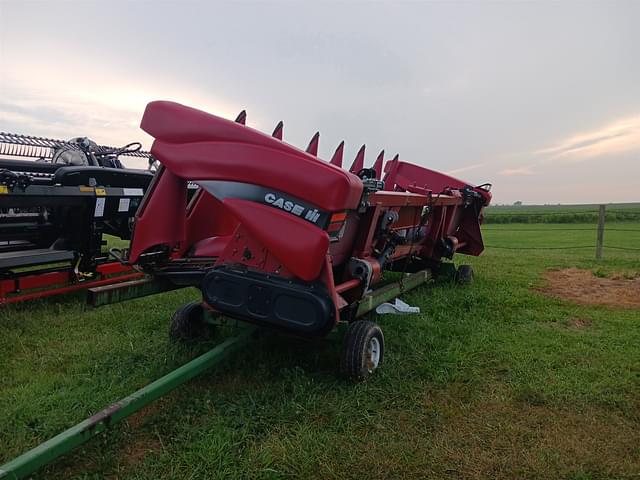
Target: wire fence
(558, 218)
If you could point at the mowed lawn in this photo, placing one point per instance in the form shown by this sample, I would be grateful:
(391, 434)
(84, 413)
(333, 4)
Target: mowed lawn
(493, 380)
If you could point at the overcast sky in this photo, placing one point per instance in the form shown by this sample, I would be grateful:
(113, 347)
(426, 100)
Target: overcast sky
(542, 99)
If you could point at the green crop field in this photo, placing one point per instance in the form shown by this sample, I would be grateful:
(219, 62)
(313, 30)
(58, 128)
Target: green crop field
(615, 212)
(491, 380)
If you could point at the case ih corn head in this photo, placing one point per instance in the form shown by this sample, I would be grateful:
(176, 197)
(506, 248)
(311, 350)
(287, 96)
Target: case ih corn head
(57, 199)
(278, 238)
(275, 237)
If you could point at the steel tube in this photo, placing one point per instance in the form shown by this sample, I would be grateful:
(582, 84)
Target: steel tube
(46, 452)
(349, 284)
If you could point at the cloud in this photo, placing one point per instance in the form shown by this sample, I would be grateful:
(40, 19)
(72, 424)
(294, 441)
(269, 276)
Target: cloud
(520, 171)
(618, 137)
(445, 101)
(465, 169)
(107, 112)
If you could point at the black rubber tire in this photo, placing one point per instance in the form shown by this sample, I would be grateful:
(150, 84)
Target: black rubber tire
(187, 322)
(355, 362)
(464, 275)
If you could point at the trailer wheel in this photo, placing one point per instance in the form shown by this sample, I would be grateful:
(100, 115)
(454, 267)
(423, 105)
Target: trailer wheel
(187, 322)
(362, 350)
(464, 275)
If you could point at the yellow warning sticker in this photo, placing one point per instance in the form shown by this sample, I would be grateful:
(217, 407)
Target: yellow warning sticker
(101, 192)
(3, 189)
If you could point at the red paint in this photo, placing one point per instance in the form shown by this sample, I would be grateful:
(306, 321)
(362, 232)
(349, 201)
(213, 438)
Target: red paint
(337, 155)
(377, 166)
(313, 145)
(305, 247)
(358, 162)
(41, 285)
(161, 218)
(421, 214)
(348, 285)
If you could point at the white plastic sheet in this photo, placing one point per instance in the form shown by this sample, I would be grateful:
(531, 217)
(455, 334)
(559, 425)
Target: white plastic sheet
(396, 308)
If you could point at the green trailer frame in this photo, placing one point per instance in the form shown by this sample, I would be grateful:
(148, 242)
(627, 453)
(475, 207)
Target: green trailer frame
(63, 443)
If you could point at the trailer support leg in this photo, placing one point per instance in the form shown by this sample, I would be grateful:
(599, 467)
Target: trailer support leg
(68, 440)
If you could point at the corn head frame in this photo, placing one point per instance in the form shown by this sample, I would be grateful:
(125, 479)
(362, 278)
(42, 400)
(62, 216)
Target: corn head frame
(275, 238)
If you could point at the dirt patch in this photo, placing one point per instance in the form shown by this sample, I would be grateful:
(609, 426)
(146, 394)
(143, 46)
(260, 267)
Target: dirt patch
(143, 416)
(153, 411)
(582, 286)
(134, 452)
(579, 323)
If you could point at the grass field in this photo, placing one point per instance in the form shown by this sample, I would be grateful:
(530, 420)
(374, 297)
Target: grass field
(493, 380)
(615, 212)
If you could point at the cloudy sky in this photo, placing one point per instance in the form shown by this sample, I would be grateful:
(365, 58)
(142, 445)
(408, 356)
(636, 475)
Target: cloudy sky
(540, 98)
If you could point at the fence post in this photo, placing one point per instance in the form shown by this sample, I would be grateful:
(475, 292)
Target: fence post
(600, 240)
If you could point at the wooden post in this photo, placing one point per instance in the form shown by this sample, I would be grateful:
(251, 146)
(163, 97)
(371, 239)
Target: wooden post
(600, 240)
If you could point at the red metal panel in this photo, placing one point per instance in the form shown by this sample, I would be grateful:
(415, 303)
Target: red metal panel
(112, 268)
(299, 175)
(29, 282)
(58, 283)
(397, 199)
(197, 146)
(208, 218)
(404, 175)
(161, 218)
(300, 246)
(175, 123)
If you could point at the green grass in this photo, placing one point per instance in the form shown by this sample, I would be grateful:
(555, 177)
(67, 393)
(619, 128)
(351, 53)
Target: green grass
(614, 212)
(489, 381)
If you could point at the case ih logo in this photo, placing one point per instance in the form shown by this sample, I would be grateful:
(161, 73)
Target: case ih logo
(312, 215)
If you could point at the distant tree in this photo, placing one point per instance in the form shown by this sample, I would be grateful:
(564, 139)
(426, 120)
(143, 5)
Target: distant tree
(518, 203)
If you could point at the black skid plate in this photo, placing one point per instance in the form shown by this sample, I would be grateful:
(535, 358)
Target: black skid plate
(269, 300)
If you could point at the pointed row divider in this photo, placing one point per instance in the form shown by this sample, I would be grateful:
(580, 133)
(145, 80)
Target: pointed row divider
(358, 163)
(242, 117)
(277, 132)
(337, 156)
(312, 148)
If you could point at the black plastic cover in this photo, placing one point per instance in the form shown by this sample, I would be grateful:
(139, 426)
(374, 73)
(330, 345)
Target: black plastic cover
(297, 307)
